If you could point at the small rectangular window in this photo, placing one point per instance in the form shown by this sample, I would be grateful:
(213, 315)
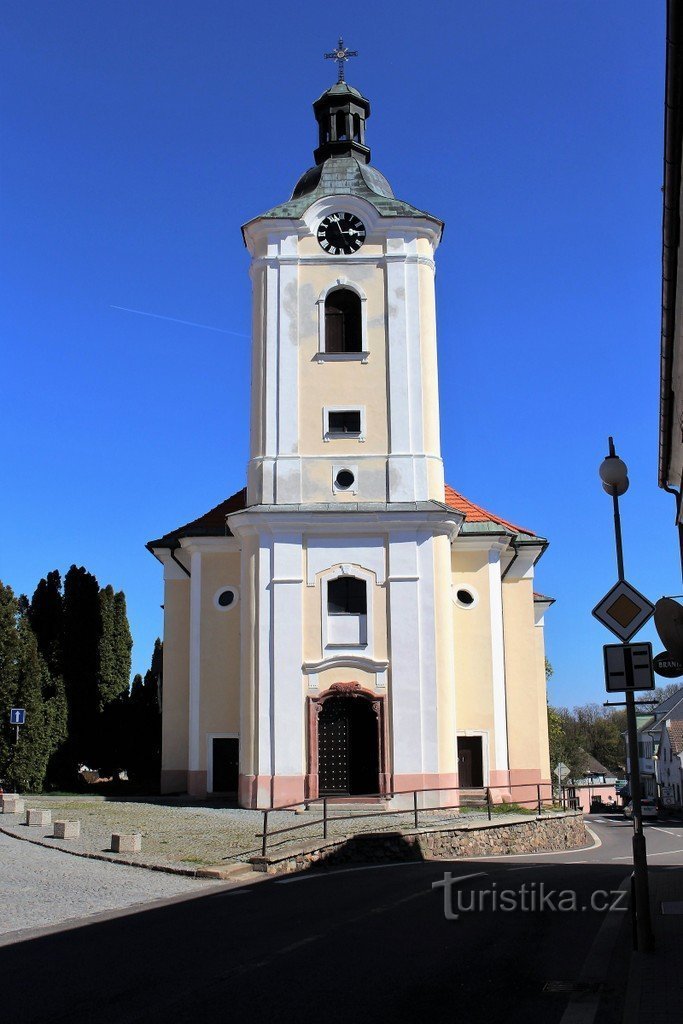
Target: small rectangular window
(347, 422)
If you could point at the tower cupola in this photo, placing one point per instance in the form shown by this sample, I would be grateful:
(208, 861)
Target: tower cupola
(341, 113)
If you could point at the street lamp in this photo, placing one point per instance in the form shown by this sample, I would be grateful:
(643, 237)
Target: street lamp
(614, 476)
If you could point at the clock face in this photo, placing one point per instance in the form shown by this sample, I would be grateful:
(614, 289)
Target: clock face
(341, 234)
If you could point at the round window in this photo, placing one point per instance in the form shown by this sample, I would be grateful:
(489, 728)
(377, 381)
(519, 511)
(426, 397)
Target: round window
(344, 479)
(226, 598)
(464, 597)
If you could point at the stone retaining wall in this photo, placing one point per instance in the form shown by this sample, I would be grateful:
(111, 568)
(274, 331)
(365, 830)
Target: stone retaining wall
(534, 835)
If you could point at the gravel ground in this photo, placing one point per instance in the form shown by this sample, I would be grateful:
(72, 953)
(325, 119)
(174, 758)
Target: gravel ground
(45, 887)
(194, 836)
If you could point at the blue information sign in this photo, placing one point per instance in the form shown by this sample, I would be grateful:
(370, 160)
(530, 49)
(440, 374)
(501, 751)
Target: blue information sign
(17, 716)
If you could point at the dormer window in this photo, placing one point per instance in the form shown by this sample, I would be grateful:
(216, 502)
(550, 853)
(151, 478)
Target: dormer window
(343, 322)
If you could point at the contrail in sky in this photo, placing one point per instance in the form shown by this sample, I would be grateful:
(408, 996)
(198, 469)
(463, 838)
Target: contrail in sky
(173, 319)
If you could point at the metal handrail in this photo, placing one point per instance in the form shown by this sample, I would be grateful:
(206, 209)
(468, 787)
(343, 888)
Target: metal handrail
(485, 791)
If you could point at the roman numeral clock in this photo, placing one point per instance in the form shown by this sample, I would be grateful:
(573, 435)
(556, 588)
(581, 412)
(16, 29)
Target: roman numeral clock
(341, 234)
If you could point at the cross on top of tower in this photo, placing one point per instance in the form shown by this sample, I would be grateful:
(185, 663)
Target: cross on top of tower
(341, 54)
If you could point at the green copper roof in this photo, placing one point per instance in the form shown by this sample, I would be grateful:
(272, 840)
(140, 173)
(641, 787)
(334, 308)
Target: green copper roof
(344, 175)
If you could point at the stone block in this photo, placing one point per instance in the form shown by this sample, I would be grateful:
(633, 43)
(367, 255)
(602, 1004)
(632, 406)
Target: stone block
(130, 842)
(13, 805)
(37, 816)
(67, 829)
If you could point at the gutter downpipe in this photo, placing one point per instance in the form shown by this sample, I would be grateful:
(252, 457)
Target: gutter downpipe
(172, 552)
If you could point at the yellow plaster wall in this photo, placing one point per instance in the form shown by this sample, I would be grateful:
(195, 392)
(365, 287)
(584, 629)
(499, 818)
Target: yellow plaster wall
(472, 644)
(219, 649)
(174, 723)
(338, 382)
(525, 686)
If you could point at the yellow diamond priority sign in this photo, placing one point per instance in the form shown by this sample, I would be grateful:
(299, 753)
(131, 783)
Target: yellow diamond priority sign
(623, 610)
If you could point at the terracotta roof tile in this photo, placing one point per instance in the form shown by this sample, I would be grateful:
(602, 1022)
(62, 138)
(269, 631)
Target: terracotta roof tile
(476, 514)
(212, 523)
(676, 735)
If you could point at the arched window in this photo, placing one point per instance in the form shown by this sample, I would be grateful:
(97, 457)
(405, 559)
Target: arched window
(347, 595)
(343, 322)
(356, 128)
(347, 608)
(341, 126)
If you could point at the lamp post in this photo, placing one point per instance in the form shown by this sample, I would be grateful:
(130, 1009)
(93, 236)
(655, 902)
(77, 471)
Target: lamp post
(614, 476)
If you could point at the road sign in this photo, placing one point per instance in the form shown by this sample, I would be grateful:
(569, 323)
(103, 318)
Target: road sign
(669, 625)
(665, 664)
(628, 667)
(17, 716)
(623, 610)
(561, 771)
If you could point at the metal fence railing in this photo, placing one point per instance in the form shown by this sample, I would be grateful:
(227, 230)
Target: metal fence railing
(467, 799)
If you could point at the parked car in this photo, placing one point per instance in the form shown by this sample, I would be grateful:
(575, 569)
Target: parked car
(648, 808)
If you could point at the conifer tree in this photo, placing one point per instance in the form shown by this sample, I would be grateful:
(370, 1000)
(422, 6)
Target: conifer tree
(81, 640)
(46, 615)
(25, 682)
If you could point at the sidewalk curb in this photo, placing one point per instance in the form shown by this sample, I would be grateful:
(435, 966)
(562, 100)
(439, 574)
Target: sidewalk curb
(216, 874)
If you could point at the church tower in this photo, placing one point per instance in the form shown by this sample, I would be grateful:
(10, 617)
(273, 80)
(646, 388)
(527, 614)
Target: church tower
(346, 624)
(349, 568)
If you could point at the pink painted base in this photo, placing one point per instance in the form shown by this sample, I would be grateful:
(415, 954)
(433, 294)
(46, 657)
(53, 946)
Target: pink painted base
(263, 791)
(519, 786)
(196, 784)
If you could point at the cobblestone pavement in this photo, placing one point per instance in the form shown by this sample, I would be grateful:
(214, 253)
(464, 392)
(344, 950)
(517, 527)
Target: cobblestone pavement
(45, 887)
(191, 836)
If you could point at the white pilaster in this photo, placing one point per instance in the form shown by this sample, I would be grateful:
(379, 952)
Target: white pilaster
(405, 653)
(287, 655)
(194, 709)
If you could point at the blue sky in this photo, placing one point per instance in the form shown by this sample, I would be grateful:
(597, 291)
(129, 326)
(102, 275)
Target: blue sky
(139, 136)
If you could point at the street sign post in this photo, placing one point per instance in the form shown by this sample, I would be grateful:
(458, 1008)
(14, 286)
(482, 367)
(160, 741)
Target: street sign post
(17, 717)
(628, 667)
(623, 610)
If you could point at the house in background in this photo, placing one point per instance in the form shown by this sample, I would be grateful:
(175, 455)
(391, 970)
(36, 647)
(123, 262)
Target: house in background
(649, 734)
(667, 737)
(598, 783)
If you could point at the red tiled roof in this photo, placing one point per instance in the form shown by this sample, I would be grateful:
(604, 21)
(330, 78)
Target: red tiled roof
(676, 735)
(542, 597)
(476, 514)
(212, 522)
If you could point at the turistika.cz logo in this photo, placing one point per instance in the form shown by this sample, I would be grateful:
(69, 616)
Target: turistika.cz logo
(530, 898)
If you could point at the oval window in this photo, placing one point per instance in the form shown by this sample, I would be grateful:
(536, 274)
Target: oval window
(226, 598)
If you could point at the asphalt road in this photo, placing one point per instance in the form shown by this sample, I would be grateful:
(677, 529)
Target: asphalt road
(361, 943)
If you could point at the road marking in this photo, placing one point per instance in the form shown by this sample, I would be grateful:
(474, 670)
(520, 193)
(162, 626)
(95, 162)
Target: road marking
(669, 832)
(664, 853)
(345, 871)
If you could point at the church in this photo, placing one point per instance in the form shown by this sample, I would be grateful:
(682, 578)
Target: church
(347, 623)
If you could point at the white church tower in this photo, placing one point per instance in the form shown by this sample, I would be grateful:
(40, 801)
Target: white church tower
(346, 528)
(321, 625)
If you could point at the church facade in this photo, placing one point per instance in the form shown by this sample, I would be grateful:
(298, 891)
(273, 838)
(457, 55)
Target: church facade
(348, 624)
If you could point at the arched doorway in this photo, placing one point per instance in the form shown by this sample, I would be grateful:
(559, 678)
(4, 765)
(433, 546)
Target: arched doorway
(346, 743)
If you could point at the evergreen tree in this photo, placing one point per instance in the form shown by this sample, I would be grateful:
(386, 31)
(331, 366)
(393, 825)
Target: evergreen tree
(46, 615)
(123, 644)
(25, 682)
(81, 643)
(107, 676)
